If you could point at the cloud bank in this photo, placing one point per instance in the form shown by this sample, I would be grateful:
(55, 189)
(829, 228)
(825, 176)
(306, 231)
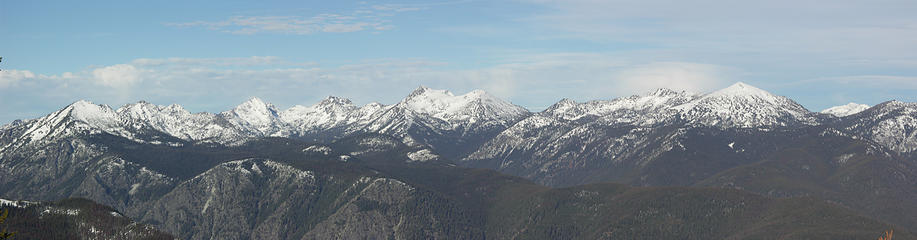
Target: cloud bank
(214, 84)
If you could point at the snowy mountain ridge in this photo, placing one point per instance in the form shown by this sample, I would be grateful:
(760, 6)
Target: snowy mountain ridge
(429, 112)
(745, 106)
(256, 118)
(846, 110)
(737, 106)
(892, 124)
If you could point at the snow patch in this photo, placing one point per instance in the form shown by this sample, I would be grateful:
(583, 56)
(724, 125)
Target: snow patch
(213, 191)
(17, 204)
(324, 150)
(842, 159)
(134, 188)
(422, 155)
(846, 110)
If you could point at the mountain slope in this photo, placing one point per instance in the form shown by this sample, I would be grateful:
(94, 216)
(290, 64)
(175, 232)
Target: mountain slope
(429, 117)
(745, 106)
(72, 219)
(283, 189)
(891, 124)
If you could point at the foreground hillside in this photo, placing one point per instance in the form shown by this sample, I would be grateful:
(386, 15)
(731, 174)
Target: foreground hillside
(73, 218)
(367, 186)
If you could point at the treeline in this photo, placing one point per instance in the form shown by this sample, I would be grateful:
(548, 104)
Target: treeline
(73, 219)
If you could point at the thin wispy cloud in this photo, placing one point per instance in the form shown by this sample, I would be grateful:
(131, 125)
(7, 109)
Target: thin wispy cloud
(373, 18)
(836, 31)
(532, 80)
(866, 81)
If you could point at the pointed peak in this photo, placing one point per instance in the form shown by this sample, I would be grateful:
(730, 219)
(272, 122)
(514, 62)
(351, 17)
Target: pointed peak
(425, 91)
(332, 100)
(419, 90)
(81, 102)
(255, 101)
(742, 89)
(741, 86)
(84, 105)
(566, 101)
(561, 105)
(255, 105)
(663, 92)
(87, 111)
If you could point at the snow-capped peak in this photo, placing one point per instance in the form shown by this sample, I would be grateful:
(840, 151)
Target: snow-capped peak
(845, 110)
(638, 108)
(79, 116)
(94, 114)
(324, 114)
(444, 105)
(255, 108)
(144, 110)
(745, 106)
(741, 89)
(332, 100)
(254, 103)
(257, 115)
(561, 106)
(662, 92)
(424, 94)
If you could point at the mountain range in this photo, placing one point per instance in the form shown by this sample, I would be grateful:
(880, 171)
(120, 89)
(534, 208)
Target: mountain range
(737, 163)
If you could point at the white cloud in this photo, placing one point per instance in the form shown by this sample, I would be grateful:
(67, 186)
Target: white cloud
(531, 80)
(117, 76)
(693, 77)
(10, 77)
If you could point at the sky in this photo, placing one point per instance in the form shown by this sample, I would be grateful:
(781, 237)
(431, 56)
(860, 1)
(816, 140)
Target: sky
(212, 55)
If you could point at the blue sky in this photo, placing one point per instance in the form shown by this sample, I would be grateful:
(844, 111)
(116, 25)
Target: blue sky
(212, 55)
